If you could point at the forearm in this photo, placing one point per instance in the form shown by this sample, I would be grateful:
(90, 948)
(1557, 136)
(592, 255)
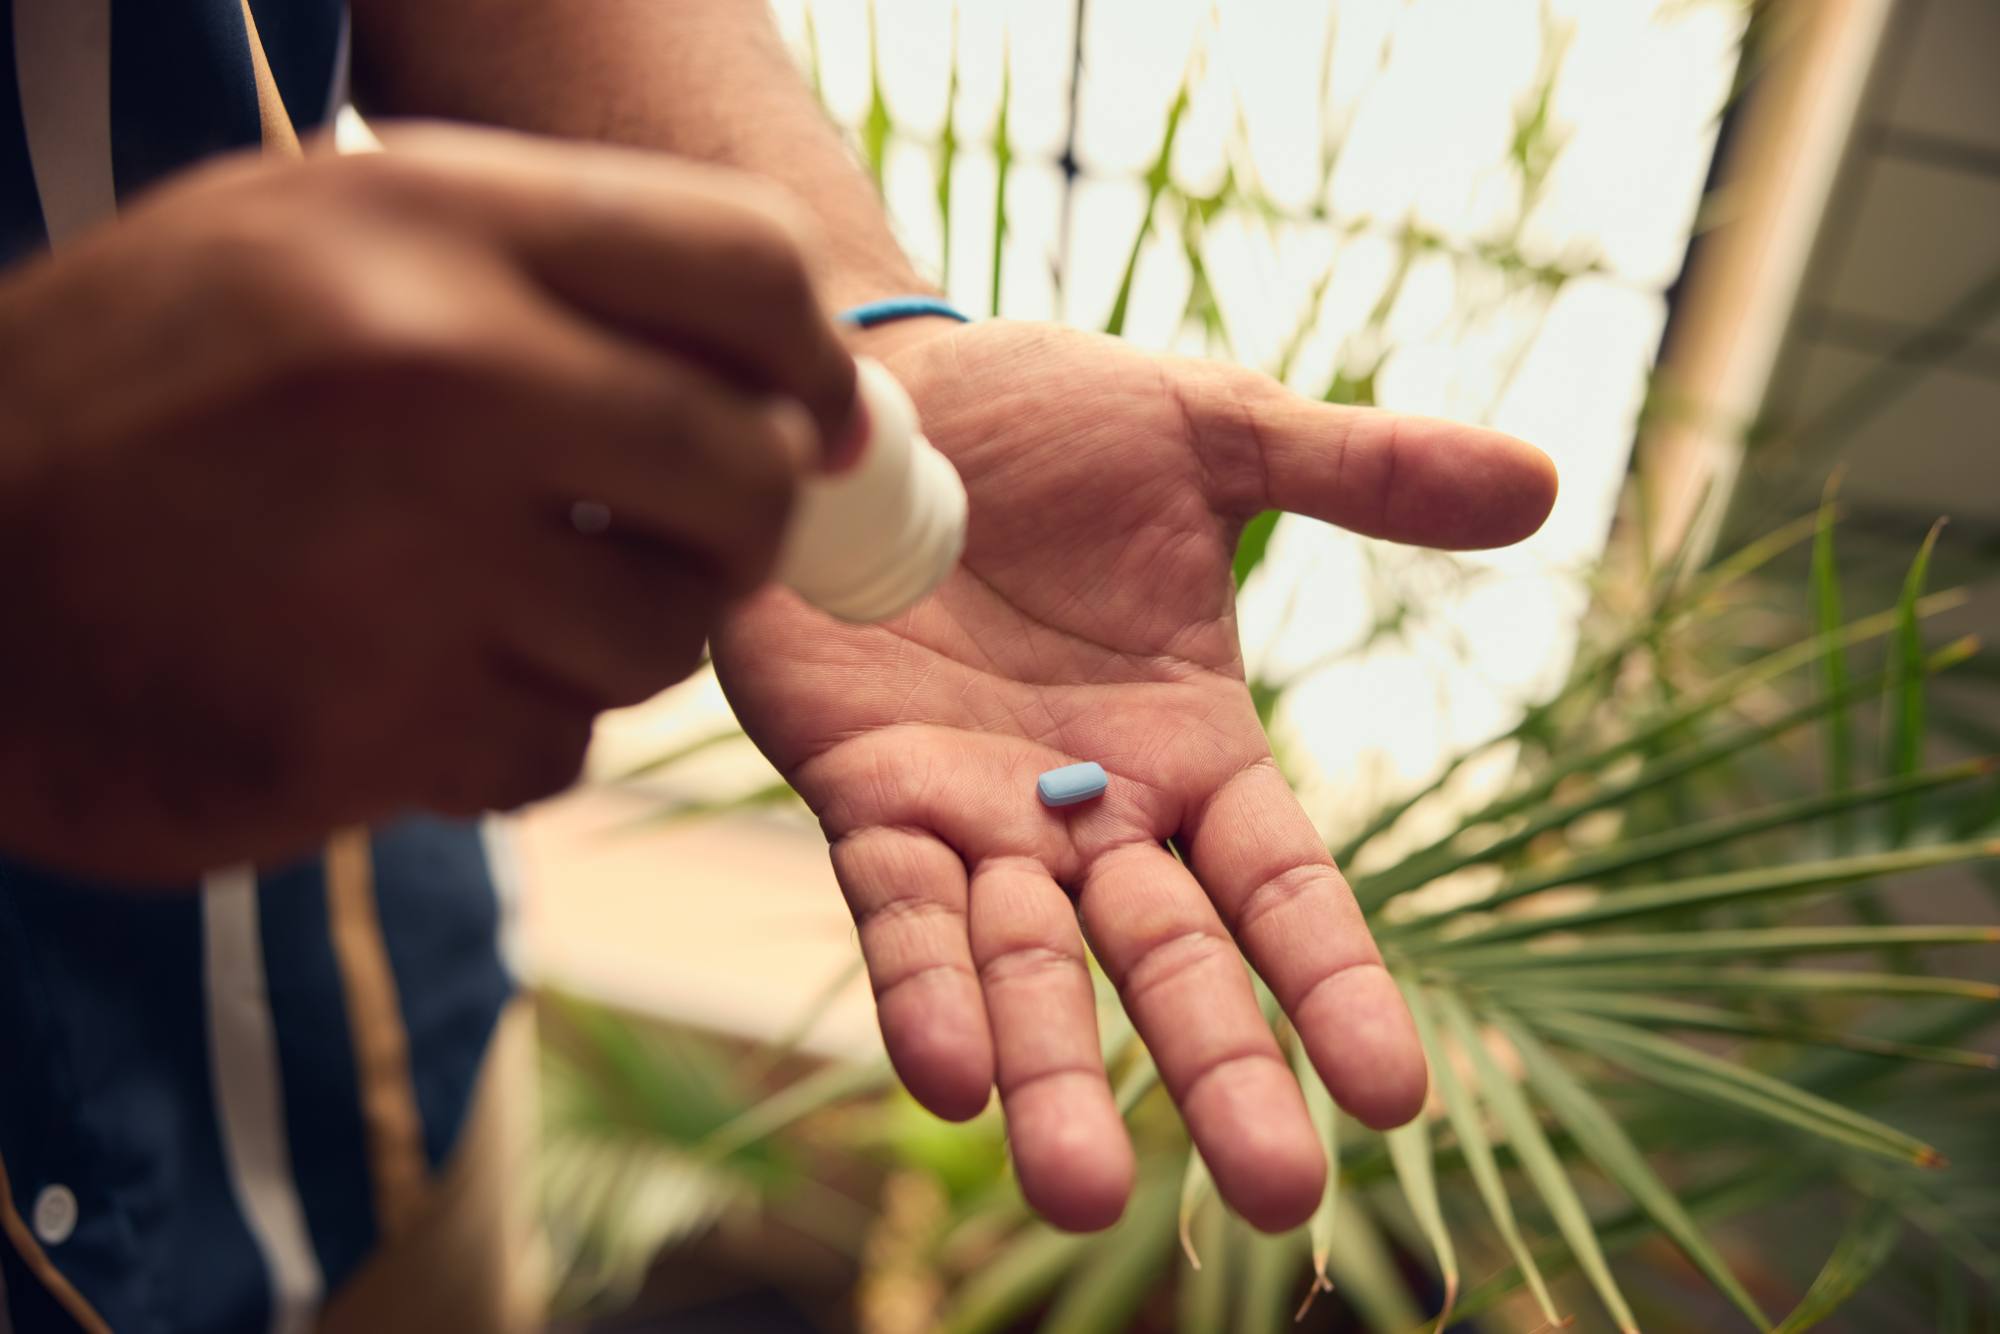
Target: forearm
(706, 79)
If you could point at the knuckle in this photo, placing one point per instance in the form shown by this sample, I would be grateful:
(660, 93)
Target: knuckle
(1161, 962)
(255, 254)
(404, 183)
(353, 272)
(287, 253)
(914, 909)
(1026, 960)
(377, 336)
(1220, 409)
(377, 318)
(945, 970)
(877, 855)
(1274, 893)
(1343, 972)
(1218, 1064)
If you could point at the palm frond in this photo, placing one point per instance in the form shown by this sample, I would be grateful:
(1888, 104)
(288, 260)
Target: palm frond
(1525, 1137)
(1477, 1149)
(1678, 1066)
(1862, 1250)
(1614, 1152)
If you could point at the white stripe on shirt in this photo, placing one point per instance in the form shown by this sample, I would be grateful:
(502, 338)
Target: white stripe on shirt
(249, 1098)
(504, 868)
(62, 60)
(338, 87)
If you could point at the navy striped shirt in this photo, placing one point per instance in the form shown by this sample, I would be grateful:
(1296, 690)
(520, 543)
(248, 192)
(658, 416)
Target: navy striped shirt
(208, 1099)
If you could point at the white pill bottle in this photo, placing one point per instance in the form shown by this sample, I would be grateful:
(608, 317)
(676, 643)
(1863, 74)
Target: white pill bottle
(866, 543)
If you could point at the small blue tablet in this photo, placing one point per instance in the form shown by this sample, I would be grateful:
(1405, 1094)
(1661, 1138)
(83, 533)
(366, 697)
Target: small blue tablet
(1072, 783)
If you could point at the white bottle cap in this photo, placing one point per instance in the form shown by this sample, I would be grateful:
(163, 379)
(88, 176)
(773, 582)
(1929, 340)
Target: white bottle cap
(867, 543)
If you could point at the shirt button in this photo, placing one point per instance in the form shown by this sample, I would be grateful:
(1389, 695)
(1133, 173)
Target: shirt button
(55, 1214)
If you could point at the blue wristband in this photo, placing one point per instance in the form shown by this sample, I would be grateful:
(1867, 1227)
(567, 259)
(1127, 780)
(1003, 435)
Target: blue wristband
(872, 313)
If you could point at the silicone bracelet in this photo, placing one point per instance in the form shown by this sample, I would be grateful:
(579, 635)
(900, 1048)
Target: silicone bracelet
(872, 313)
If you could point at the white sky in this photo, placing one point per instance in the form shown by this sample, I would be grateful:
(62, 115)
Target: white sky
(1422, 98)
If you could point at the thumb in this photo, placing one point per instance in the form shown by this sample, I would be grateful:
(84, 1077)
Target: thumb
(1420, 480)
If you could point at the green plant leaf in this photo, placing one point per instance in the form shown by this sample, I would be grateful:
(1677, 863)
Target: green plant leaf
(1268, 1266)
(1445, 857)
(1531, 1148)
(1196, 1186)
(1120, 1269)
(769, 796)
(1365, 1272)
(831, 1084)
(947, 152)
(1665, 610)
(614, 1072)
(1201, 1303)
(1302, 330)
(1201, 306)
(1725, 690)
(1008, 1285)
(678, 754)
(1601, 948)
(1254, 542)
(1846, 1075)
(612, 1202)
(625, 1105)
(1476, 1149)
(1657, 1012)
(875, 124)
(1158, 176)
(1751, 557)
(1410, 1154)
(1737, 886)
(1863, 1248)
(1326, 1120)
(1954, 1308)
(1140, 1080)
(1827, 618)
(1676, 1065)
(788, 1042)
(1906, 697)
(1732, 1195)
(1003, 155)
(1637, 853)
(1792, 981)
(1613, 1151)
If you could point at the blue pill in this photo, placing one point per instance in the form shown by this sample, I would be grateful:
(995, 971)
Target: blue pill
(1071, 783)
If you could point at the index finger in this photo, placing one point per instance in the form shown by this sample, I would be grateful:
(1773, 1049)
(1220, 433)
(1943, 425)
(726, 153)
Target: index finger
(1269, 875)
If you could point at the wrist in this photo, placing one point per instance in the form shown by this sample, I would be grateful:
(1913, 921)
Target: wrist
(884, 326)
(884, 341)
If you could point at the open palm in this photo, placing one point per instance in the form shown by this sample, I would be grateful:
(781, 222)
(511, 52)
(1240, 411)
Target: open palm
(1093, 619)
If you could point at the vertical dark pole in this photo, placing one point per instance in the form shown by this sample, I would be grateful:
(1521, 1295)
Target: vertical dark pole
(1070, 170)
